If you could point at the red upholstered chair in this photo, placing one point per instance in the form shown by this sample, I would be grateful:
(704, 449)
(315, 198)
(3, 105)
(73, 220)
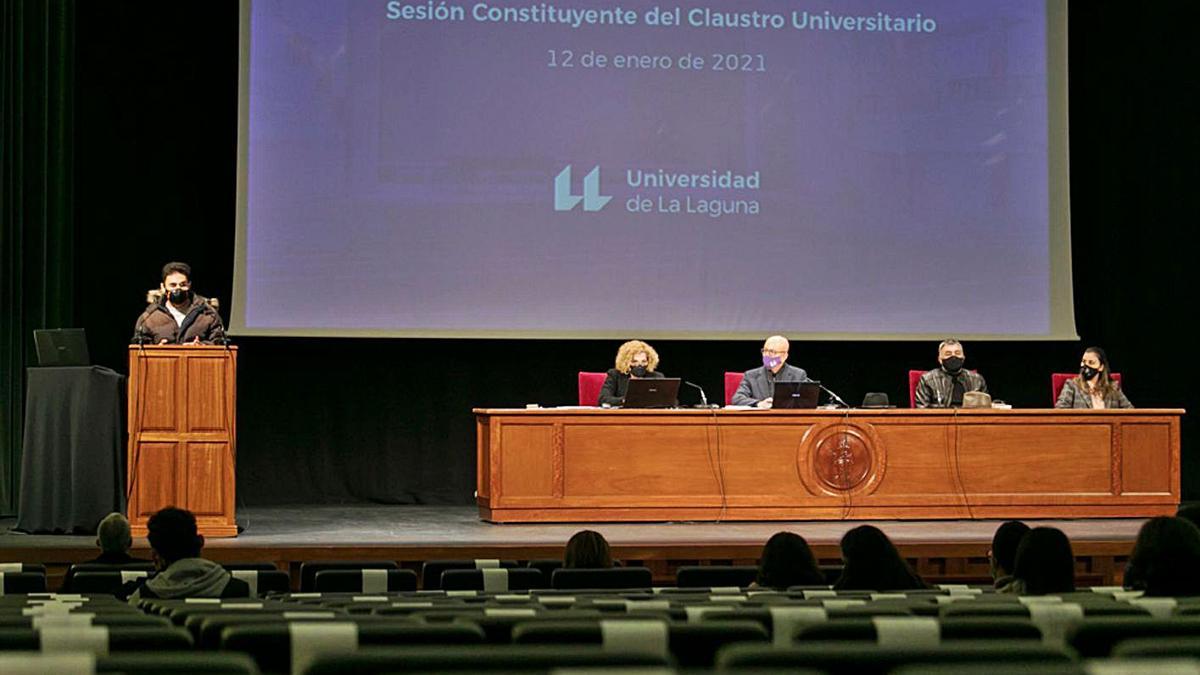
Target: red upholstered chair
(732, 382)
(1059, 380)
(590, 385)
(914, 376)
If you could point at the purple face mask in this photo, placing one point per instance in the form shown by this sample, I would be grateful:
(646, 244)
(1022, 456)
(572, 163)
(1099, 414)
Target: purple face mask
(771, 361)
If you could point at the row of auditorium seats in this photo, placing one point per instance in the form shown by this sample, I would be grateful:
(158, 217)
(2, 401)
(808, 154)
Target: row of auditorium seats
(387, 576)
(722, 628)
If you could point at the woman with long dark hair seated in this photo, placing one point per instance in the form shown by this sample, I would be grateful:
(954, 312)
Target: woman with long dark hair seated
(872, 563)
(1045, 563)
(1094, 387)
(1166, 558)
(788, 561)
(587, 549)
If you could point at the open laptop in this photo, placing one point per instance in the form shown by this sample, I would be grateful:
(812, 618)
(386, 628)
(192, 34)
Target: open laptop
(796, 395)
(660, 392)
(61, 347)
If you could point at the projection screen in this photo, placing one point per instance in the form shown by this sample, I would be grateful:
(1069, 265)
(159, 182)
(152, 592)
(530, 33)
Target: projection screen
(851, 169)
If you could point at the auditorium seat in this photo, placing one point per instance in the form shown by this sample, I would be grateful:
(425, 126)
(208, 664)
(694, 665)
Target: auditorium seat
(36, 568)
(493, 580)
(97, 639)
(431, 570)
(206, 629)
(91, 617)
(784, 621)
(692, 645)
(920, 630)
(710, 576)
(308, 570)
(498, 622)
(1059, 380)
(22, 583)
(1095, 638)
(149, 663)
(914, 377)
(263, 581)
(546, 565)
(732, 382)
(477, 658)
(364, 581)
(105, 582)
(68, 585)
(857, 658)
(590, 385)
(615, 577)
(273, 645)
(1159, 647)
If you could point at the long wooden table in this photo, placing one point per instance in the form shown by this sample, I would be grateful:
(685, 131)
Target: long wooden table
(581, 465)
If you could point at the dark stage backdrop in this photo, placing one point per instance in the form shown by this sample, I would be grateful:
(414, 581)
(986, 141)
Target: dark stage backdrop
(325, 420)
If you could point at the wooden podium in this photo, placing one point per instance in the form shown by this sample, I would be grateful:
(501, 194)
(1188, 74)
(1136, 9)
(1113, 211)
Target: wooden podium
(182, 434)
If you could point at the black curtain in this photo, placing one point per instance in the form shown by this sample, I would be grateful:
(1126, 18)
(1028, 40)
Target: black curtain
(37, 259)
(333, 420)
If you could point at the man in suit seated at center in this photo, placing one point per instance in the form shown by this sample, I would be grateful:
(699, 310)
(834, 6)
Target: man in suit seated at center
(758, 385)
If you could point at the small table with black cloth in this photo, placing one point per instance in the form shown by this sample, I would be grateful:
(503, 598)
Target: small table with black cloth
(72, 468)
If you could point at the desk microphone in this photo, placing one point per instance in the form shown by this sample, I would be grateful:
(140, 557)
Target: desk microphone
(703, 398)
(833, 396)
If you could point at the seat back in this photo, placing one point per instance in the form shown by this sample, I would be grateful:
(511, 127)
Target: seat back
(858, 657)
(1059, 380)
(431, 571)
(308, 570)
(262, 582)
(590, 385)
(493, 580)
(914, 376)
(22, 583)
(615, 577)
(277, 646)
(107, 582)
(701, 576)
(732, 382)
(480, 658)
(365, 581)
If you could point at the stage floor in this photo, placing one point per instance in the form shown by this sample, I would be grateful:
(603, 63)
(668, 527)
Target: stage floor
(431, 527)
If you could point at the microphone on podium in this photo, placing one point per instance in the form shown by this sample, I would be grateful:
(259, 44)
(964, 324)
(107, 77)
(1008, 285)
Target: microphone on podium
(833, 396)
(703, 398)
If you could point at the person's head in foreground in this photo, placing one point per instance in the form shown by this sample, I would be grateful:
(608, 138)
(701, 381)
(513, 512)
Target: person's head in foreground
(1045, 563)
(872, 563)
(1003, 555)
(587, 549)
(1166, 558)
(788, 561)
(112, 535)
(182, 573)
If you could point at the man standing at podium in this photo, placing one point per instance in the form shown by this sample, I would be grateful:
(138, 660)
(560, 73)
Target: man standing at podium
(943, 387)
(758, 384)
(176, 315)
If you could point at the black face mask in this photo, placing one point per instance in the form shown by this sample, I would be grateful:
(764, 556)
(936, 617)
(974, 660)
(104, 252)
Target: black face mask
(638, 371)
(179, 296)
(952, 365)
(1088, 372)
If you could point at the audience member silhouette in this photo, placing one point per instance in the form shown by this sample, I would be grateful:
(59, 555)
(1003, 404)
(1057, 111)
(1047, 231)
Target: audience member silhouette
(788, 561)
(1045, 563)
(872, 563)
(1166, 558)
(587, 549)
(114, 540)
(1003, 555)
(182, 573)
(1190, 512)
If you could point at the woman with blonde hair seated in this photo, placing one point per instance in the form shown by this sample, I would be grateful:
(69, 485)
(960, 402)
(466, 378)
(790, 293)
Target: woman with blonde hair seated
(1095, 387)
(634, 359)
